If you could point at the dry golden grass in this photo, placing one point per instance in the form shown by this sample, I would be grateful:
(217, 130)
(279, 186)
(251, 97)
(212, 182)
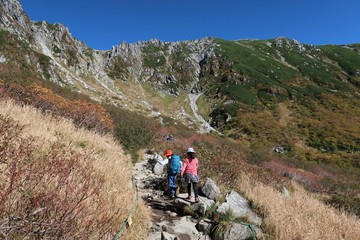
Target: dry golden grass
(141, 220)
(285, 115)
(300, 216)
(106, 158)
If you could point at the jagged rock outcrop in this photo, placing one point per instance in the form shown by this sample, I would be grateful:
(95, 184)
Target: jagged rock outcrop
(13, 18)
(168, 66)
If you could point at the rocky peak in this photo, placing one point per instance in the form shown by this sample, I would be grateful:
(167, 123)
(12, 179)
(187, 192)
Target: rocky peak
(13, 18)
(281, 42)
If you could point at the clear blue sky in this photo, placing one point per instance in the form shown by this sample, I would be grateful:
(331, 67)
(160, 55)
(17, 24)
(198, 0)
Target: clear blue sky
(104, 23)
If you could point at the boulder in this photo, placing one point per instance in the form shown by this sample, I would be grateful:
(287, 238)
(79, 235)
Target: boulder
(238, 231)
(158, 169)
(168, 236)
(198, 207)
(210, 189)
(240, 207)
(204, 225)
(204, 205)
(204, 237)
(237, 203)
(158, 158)
(152, 159)
(184, 226)
(181, 203)
(279, 149)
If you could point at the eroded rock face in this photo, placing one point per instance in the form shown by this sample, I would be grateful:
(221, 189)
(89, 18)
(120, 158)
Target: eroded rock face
(13, 17)
(210, 189)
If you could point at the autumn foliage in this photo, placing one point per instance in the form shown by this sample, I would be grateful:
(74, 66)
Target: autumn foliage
(84, 113)
(45, 194)
(61, 182)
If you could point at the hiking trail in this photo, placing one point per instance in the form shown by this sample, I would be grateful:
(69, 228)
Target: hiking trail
(182, 219)
(166, 223)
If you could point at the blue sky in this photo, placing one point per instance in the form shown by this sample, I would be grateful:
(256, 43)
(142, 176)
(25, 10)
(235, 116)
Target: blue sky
(104, 23)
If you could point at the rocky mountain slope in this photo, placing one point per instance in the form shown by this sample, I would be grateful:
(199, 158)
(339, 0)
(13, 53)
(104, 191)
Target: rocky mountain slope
(268, 92)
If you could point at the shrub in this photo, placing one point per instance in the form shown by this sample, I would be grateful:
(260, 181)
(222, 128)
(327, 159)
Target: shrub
(2, 37)
(343, 202)
(44, 60)
(154, 61)
(221, 114)
(84, 113)
(72, 57)
(47, 193)
(259, 154)
(241, 93)
(132, 130)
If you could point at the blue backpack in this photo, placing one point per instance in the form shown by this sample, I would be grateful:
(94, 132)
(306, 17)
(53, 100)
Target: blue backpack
(174, 164)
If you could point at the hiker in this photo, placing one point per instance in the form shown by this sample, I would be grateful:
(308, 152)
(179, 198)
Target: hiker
(174, 167)
(169, 138)
(190, 172)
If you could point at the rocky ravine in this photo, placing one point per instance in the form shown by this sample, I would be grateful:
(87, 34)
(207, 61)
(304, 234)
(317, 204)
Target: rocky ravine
(170, 217)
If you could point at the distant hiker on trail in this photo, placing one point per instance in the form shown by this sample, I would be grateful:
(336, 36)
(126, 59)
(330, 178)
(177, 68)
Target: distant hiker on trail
(190, 172)
(169, 138)
(174, 167)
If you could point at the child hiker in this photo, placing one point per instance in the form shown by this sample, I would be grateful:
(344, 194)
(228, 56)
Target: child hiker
(174, 167)
(190, 172)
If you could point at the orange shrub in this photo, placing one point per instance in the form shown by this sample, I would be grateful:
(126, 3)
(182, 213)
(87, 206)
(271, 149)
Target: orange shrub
(84, 114)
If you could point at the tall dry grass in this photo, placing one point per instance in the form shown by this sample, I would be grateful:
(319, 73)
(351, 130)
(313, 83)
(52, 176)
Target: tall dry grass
(58, 181)
(299, 216)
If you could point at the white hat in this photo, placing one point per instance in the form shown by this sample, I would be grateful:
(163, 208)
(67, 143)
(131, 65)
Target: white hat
(190, 150)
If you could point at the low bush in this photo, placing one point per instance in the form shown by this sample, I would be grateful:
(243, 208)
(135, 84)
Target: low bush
(132, 130)
(83, 112)
(48, 193)
(343, 202)
(61, 182)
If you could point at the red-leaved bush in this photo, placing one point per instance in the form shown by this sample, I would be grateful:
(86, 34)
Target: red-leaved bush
(48, 190)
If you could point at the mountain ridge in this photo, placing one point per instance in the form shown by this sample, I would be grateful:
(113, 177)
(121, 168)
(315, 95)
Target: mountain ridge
(205, 83)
